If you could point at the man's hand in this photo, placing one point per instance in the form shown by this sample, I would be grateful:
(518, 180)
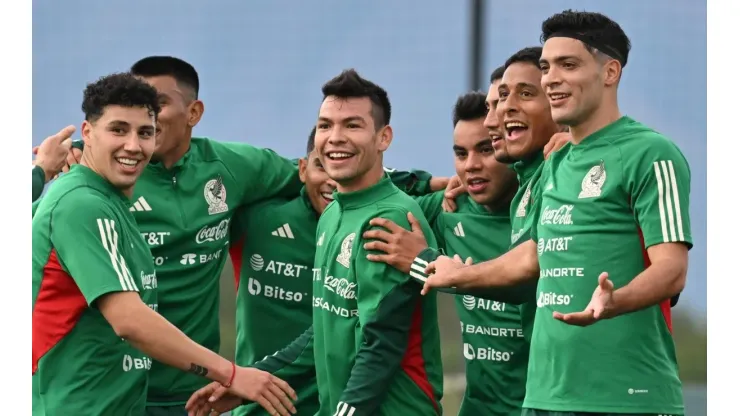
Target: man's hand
(259, 386)
(455, 188)
(52, 153)
(600, 307)
(73, 157)
(401, 246)
(557, 141)
(441, 272)
(213, 398)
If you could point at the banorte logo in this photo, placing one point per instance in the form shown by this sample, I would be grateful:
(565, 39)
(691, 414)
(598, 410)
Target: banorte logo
(256, 262)
(469, 302)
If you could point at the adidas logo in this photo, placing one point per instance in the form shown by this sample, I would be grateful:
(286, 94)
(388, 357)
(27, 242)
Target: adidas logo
(140, 205)
(284, 232)
(458, 230)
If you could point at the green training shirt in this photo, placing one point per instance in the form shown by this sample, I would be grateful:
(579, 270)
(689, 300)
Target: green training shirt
(603, 203)
(528, 172)
(494, 348)
(374, 342)
(86, 244)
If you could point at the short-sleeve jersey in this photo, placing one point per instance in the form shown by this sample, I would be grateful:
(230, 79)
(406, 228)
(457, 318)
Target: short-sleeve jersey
(86, 244)
(494, 348)
(603, 202)
(273, 251)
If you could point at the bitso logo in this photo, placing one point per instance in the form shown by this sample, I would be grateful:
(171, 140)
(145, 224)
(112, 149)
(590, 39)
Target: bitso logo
(131, 363)
(485, 353)
(550, 298)
(215, 233)
(187, 259)
(521, 209)
(128, 362)
(594, 180)
(215, 194)
(469, 352)
(257, 262)
(254, 287)
(346, 251)
(469, 302)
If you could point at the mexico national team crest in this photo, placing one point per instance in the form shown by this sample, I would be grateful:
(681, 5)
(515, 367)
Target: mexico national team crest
(215, 194)
(346, 250)
(594, 180)
(521, 210)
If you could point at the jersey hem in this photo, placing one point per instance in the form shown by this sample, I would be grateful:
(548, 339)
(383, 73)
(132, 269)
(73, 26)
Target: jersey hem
(599, 408)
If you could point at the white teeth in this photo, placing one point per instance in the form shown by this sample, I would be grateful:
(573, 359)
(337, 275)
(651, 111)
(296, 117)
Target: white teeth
(339, 155)
(558, 96)
(127, 161)
(327, 195)
(476, 181)
(515, 124)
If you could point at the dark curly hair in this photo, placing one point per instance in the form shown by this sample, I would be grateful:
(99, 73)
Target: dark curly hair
(122, 89)
(470, 106)
(597, 32)
(349, 84)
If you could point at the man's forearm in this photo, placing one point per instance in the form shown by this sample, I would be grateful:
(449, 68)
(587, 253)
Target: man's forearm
(518, 266)
(161, 340)
(660, 281)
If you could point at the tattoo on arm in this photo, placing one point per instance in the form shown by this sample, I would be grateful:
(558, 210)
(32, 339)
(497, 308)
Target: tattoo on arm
(198, 370)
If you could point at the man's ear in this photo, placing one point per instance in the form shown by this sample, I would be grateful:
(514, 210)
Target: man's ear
(302, 166)
(195, 112)
(386, 137)
(85, 131)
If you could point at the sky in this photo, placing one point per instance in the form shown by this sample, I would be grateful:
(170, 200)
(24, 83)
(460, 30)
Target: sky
(261, 65)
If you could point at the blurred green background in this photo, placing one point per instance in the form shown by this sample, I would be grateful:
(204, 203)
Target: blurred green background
(690, 337)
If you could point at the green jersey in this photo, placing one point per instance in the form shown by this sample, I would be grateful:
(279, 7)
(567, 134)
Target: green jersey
(86, 244)
(494, 348)
(38, 180)
(272, 251)
(528, 172)
(603, 202)
(374, 342)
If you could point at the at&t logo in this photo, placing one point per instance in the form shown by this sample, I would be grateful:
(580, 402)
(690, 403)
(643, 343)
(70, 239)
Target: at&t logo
(257, 262)
(469, 302)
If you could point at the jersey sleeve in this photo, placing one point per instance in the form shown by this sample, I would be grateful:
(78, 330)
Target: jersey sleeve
(658, 184)
(293, 364)
(86, 235)
(38, 178)
(431, 205)
(533, 216)
(264, 173)
(413, 182)
(387, 300)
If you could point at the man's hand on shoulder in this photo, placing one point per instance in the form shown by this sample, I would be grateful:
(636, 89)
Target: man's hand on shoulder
(399, 245)
(557, 141)
(52, 153)
(454, 188)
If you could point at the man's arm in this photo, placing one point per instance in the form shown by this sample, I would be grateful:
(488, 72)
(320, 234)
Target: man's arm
(659, 181)
(51, 155)
(85, 234)
(416, 182)
(295, 363)
(387, 299)
(38, 180)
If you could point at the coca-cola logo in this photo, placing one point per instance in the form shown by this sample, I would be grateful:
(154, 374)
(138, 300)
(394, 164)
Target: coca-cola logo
(557, 216)
(342, 287)
(214, 233)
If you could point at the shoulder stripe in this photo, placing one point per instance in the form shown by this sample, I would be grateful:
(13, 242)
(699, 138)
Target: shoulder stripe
(344, 409)
(109, 239)
(669, 203)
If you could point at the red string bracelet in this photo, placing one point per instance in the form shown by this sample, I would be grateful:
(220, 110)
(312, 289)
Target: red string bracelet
(233, 374)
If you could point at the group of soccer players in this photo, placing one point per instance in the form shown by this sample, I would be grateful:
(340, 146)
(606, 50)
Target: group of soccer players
(563, 265)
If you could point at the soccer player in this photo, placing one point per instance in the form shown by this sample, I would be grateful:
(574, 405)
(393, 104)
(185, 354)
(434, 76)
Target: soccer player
(613, 213)
(494, 348)
(51, 157)
(184, 203)
(94, 284)
(374, 342)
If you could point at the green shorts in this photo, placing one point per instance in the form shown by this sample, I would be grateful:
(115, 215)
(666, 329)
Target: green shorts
(535, 412)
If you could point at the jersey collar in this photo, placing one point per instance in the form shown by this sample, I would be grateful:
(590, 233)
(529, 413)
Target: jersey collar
(525, 168)
(98, 182)
(383, 189)
(605, 131)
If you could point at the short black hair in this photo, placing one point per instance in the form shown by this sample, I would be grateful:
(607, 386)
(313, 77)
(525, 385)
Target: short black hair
(349, 84)
(528, 55)
(497, 74)
(598, 32)
(311, 141)
(470, 106)
(122, 89)
(156, 66)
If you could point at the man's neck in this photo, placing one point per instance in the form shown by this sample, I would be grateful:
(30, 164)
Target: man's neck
(173, 156)
(502, 203)
(604, 116)
(372, 177)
